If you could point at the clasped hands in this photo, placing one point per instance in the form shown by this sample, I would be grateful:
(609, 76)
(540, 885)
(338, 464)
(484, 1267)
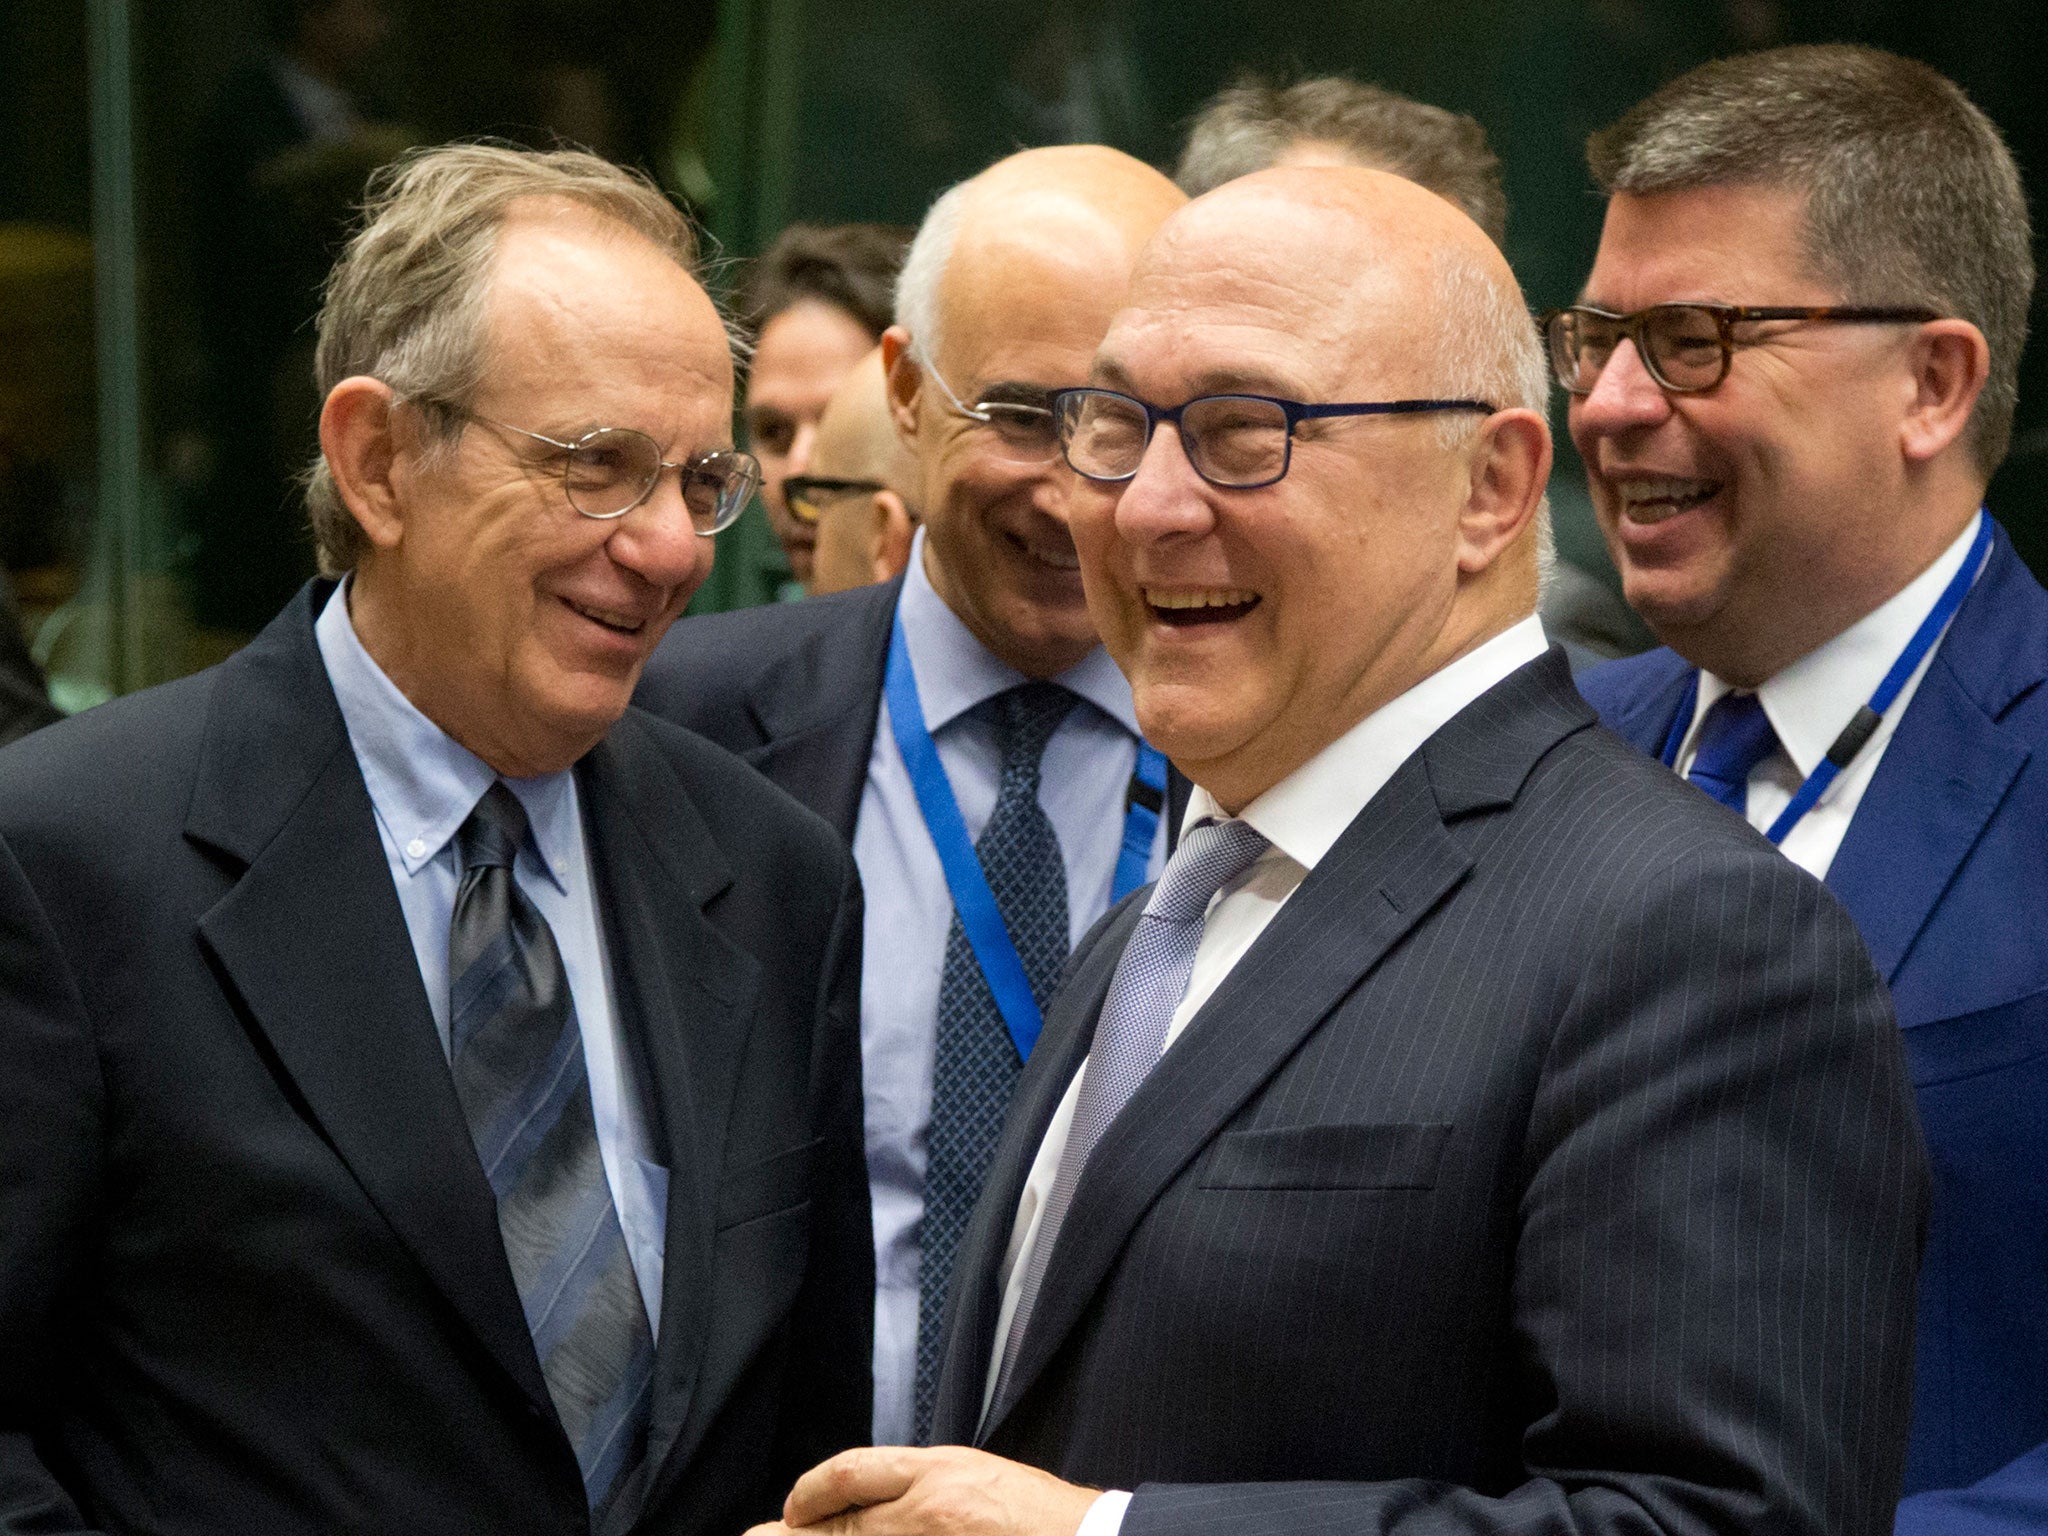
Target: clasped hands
(947, 1490)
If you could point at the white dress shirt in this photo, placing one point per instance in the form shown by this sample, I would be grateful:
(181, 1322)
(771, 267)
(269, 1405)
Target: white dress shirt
(1301, 817)
(423, 784)
(1084, 777)
(1810, 702)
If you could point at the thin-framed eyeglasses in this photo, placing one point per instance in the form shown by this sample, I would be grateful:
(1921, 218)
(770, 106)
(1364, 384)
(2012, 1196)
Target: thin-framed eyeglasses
(1022, 429)
(806, 495)
(609, 471)
(1239, 442)
(1686, 348)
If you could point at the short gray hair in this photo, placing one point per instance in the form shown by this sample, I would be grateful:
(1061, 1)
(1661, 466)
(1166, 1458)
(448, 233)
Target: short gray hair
(1248, 126)
(1913, 198)
(924, 270)
(1488, 348)
(406, 302)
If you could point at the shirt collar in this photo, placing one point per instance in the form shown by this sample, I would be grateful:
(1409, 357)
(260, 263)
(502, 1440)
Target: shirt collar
(956, 672)
(1306, 812)
(424, 783)
(1810, 702)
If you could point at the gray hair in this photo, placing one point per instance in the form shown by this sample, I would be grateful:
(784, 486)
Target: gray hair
(1248, 126)
(1912, 197)
(405, 304)
(924, 269)
(1488, 349)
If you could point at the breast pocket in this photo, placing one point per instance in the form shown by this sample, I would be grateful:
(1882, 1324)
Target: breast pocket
(1328, 1157)
(765, 1187)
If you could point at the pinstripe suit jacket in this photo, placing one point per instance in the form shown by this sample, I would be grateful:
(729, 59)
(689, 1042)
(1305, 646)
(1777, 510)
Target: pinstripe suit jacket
(1548, 1164)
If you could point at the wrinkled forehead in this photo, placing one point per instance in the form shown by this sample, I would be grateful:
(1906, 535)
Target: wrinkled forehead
(1032, 275)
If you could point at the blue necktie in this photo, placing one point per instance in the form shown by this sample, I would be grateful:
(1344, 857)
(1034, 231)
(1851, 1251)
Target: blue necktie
(975, 1063)
(1151, 979)
(517, 1057)
(1734, 737)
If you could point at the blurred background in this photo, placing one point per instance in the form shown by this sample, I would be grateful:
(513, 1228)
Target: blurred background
(175, 178)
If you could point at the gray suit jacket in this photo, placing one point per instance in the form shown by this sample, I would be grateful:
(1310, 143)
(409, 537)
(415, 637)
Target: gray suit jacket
(1548, 1165)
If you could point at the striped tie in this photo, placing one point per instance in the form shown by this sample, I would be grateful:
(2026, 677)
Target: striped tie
(519, 1073)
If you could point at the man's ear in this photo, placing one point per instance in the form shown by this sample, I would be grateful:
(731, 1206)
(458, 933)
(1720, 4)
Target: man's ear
(1510, 469)
(1948, 362)
(905, 379)
(889, 533)
(360, 439)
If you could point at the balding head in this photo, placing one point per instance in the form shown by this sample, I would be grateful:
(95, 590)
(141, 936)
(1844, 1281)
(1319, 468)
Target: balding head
(1009, 285)
(1259, 624)
(864, 528)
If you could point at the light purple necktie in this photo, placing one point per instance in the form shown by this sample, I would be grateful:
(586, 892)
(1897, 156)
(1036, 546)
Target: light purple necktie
(1130, 1036)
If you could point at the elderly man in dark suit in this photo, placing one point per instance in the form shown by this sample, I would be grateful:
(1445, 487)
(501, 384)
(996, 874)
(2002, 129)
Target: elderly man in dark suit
(429, 1089)
(962, 727)
(1470, 1131)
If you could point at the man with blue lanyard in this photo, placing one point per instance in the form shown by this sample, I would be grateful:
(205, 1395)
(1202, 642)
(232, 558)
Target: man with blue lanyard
(960, 726)
(1791, 374)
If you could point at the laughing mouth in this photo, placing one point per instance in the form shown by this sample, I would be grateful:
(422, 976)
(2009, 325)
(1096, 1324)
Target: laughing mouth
(617, 622)
(1653, 500)
(1199, 605)
(1054, 557)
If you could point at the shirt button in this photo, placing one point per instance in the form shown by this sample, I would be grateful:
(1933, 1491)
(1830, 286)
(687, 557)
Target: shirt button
(562, 868)
(416, 849)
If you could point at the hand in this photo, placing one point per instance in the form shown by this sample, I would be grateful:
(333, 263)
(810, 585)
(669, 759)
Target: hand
(947, 1490)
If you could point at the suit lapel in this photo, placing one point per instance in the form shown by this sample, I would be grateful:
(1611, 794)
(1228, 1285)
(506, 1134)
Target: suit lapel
(340, 1003)
(817, 705)
(1947, 767)
(1389, 870)
(1645, 720)
(685, 993)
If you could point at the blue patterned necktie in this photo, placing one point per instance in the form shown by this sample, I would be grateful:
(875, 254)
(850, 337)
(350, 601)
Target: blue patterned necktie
(1151, 979)
(975, 1062)
(1734, 737)
(519, 1071)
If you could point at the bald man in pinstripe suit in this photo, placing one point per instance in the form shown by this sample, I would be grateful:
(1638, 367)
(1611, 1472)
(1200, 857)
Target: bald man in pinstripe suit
(1472, 1131)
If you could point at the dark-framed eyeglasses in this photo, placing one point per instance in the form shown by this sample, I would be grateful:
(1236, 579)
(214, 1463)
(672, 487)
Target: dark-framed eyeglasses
(1239, 442)
(806, 495)
(609, 471)
(1020, 430)
(1686, 348)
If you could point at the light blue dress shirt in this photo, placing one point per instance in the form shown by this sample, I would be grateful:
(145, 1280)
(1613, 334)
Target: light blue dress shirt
(423, 785)
(1085, 776)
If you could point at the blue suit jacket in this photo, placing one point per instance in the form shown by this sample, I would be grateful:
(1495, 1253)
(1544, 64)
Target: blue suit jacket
(1945, 870)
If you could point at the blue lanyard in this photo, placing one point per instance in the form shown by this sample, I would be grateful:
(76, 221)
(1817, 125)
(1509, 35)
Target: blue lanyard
(994, 949)
(1863, 725)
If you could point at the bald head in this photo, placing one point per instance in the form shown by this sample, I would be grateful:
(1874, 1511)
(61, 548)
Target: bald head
(856, 438)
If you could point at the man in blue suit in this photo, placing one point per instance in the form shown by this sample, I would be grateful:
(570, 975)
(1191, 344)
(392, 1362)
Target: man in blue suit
(1854, 654)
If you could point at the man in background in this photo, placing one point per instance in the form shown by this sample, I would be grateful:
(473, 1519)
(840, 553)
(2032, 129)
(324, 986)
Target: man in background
(1334, 120)
(815, 303)
(861, 498)
(1792, 374)
(1471, 1131)
(24, 697)
(962, 727)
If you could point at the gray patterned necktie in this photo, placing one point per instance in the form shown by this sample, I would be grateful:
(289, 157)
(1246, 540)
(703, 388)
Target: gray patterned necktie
(975, 1063)
(1151, 979)
(519, 1072)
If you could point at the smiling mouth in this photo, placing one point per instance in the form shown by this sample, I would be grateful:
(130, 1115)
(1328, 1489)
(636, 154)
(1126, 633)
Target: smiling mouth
(1649, 501)
(1054, 557)
(1199, 605)
(618, 623)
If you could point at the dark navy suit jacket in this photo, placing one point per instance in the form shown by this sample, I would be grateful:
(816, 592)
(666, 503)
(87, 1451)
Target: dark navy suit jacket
(1945, 870)
(1546, 1165)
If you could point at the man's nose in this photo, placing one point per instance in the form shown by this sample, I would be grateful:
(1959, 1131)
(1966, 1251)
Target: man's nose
(1165, 497)
(657, 541)
(1624, 396)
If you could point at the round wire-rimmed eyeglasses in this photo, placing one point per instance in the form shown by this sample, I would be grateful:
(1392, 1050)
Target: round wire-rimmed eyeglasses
(609, 471)
(1237, 442)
